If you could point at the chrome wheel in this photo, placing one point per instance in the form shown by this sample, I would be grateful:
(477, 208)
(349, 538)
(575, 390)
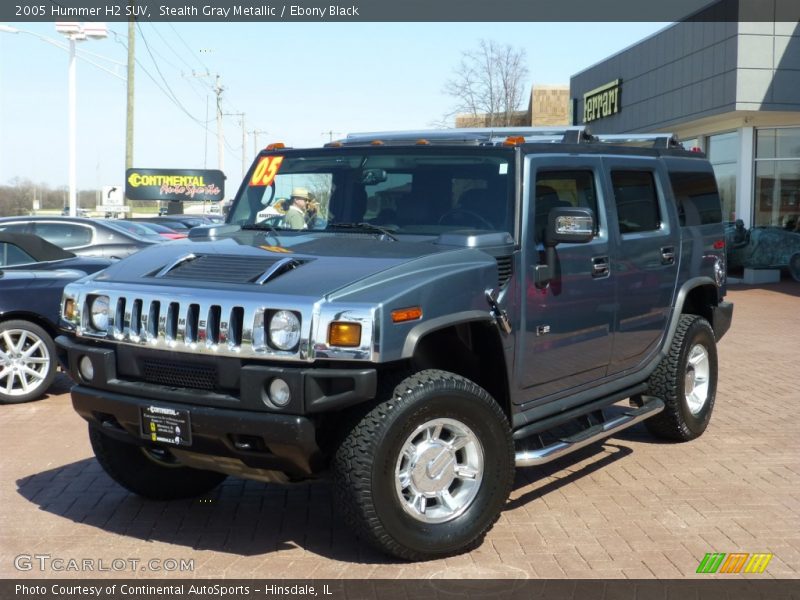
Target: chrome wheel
(24, 362)
(439, 471)
(696, 379)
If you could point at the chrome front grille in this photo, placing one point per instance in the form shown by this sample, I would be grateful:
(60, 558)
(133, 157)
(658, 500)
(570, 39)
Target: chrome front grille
(189, 325)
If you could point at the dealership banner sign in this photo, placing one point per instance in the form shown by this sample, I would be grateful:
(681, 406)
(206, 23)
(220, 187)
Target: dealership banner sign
(175, 184)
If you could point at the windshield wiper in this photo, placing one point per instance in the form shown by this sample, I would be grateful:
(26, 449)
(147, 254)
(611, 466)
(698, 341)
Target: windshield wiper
(263, 227)
(364, 226)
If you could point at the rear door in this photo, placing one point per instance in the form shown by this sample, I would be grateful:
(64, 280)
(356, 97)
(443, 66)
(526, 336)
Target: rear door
(648, 253)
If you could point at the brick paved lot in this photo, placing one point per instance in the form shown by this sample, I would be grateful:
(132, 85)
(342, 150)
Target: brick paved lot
(631, 507)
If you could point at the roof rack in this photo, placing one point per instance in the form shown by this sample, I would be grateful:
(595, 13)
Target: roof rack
(652, 140)
(491, 136)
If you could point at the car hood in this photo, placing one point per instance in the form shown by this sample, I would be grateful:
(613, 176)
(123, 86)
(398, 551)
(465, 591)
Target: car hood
(305, 264)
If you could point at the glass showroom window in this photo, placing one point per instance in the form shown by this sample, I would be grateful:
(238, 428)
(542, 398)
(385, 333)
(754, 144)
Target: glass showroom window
(777, 197)
(722, 151)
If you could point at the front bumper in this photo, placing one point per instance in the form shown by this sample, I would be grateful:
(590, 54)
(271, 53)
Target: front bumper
(231, 421)
(266, 442)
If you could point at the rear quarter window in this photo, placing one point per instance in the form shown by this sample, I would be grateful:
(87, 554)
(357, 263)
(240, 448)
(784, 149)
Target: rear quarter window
(697, 198)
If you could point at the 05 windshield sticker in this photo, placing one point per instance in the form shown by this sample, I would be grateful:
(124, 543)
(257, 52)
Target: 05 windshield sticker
(266, 170)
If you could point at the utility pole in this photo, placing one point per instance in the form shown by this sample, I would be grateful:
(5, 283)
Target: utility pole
(220, 134)
(256, 133)
(330, 133)
(130, 99)
(244, 138)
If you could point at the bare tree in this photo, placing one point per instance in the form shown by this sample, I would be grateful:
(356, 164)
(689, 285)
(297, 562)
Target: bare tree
(489, 83)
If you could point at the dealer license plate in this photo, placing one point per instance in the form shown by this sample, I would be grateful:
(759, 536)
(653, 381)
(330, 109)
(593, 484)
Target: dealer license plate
(166, 425)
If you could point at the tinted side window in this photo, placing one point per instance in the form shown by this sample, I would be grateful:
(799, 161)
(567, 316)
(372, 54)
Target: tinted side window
(562, 188)
(12, 255)
(65, 235)
(697, 198)
(637, 201)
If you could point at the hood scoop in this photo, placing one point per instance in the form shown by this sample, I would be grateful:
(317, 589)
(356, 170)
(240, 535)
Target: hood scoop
(220, 268)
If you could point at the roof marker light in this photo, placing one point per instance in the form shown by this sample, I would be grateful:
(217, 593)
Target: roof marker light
(276, 146)
(514, 140)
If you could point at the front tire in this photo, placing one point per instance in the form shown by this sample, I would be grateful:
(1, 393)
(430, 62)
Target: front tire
(426, 472)
(150, 472)
(686, 380)
(27, 361)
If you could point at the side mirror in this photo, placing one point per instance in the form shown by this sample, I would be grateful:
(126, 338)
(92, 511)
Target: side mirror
(569, 226)
(565, 225)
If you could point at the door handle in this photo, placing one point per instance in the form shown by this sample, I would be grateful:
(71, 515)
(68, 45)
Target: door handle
(600, 267)
(668, 255)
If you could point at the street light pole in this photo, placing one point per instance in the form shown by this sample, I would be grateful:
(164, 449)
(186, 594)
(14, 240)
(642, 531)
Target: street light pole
(75, 32)
(73, 133)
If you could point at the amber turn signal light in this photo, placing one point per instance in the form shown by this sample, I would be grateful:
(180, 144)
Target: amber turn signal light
(347, 335)
(401, 315)
(69, 308)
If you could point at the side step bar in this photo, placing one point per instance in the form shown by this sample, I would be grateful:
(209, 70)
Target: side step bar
(540, 456)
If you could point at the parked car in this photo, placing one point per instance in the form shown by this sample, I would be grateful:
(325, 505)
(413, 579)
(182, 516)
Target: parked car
(763, 248)
(160, 229)
(174, 224)
(84, 237)
(30, 252)
(189, 221)
(33, 273)
(480, 302)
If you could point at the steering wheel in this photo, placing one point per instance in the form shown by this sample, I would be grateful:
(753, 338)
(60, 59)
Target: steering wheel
(451, 217)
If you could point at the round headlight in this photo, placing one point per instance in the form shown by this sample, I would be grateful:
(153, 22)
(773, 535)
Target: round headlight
(284, 330)
(98, 313)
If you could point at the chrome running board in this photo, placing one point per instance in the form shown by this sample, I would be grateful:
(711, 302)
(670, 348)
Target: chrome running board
(540, 456)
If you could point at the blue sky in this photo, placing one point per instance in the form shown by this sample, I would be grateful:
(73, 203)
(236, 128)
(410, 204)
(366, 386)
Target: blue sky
(293, 80)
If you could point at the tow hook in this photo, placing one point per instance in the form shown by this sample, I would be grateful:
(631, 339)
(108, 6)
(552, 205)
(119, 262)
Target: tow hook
(498, 313)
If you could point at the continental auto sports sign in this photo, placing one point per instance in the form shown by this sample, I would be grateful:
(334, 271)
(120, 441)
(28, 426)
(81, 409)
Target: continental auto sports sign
(175, 184)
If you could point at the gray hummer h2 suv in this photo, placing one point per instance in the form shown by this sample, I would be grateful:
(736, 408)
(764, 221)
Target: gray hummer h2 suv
(441, 308)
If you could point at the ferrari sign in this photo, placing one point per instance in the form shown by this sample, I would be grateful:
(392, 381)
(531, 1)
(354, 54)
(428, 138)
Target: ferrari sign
(602, 102)
(175, 184)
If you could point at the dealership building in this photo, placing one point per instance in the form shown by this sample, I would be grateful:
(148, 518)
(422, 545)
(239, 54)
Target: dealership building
(731, 89)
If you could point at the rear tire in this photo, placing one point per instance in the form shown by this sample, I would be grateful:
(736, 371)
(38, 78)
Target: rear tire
(686, 380)
(794, 266)
(426, 473)
(150, 472)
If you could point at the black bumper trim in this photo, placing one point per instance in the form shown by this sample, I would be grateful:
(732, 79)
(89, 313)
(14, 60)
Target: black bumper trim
(313, 390)
(284, 442)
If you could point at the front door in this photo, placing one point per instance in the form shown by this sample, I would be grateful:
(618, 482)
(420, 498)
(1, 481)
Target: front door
(568, 325)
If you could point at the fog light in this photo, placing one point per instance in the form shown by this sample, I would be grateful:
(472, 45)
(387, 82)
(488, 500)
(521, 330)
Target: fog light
(279, 393)
(85, 367)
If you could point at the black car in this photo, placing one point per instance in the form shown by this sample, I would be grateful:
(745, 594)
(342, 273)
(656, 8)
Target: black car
(30, 252)
(85, 237)
(33, 273)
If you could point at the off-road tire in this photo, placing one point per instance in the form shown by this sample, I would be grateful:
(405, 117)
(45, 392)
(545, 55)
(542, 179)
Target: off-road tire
(148, 475)
(45, 353)
(364, 466)
(676, 422)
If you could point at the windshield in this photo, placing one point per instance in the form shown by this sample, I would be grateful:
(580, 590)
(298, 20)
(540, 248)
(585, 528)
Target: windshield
(426, 192)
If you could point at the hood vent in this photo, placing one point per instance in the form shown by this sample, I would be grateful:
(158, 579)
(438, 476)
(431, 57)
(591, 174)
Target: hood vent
(505, 268)
(219, 268)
